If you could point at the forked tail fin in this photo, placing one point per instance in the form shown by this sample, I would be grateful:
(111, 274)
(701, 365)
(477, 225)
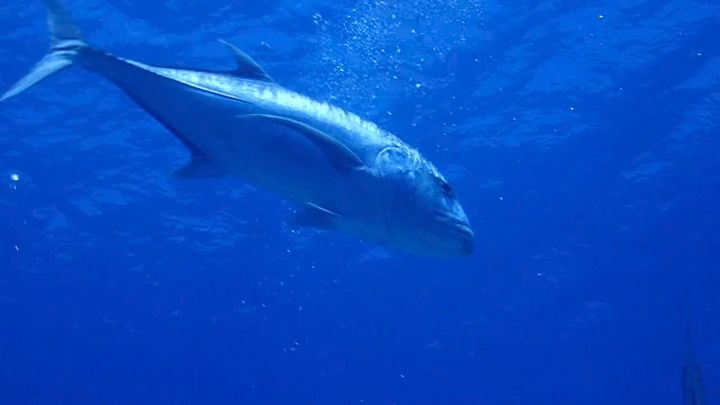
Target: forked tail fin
(65, 44)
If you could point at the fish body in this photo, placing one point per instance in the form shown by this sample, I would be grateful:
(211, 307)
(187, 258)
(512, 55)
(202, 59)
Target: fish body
(342, 172)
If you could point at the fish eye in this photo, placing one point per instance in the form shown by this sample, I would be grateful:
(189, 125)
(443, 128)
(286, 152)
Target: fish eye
(447, 189)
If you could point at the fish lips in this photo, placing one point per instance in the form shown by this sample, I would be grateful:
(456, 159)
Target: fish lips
(466, 238)
(456, 236)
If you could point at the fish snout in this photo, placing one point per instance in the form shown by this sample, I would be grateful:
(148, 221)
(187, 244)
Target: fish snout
(465, 240)
(456, 235)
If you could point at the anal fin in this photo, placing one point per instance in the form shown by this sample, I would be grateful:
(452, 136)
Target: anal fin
(200, 167)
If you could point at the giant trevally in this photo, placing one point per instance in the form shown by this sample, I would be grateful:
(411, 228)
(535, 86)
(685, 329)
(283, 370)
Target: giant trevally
(343, 172)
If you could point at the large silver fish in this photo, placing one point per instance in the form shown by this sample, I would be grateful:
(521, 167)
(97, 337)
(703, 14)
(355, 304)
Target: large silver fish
(343, 172)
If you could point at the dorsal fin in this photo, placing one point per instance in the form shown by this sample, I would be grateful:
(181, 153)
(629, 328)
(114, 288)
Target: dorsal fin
(246, 66)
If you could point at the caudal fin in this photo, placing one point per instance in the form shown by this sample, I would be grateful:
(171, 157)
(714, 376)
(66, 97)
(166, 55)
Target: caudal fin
(65, 44)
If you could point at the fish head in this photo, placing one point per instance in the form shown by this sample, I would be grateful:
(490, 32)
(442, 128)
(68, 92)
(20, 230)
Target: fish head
(422, 213)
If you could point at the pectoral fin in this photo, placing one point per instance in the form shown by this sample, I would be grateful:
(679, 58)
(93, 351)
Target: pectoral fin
(339, 155)
(313, 216)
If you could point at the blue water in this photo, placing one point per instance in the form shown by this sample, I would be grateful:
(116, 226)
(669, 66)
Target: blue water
(583, 139)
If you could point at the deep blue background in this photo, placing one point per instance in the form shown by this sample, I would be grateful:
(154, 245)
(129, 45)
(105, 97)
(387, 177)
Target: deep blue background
(583, 139)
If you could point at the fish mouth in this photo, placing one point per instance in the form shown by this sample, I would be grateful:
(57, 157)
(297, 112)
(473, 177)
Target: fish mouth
(465, 230)
(467, 239)
(460, 233)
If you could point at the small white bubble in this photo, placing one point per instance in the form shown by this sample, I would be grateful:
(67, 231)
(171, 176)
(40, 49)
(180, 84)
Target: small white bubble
(600, 16)
(17, 248)
(402, 376)
(699, 54)
(500, 198)
(418, 85)
(15, 177)
(300, 308)
(572, 108)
